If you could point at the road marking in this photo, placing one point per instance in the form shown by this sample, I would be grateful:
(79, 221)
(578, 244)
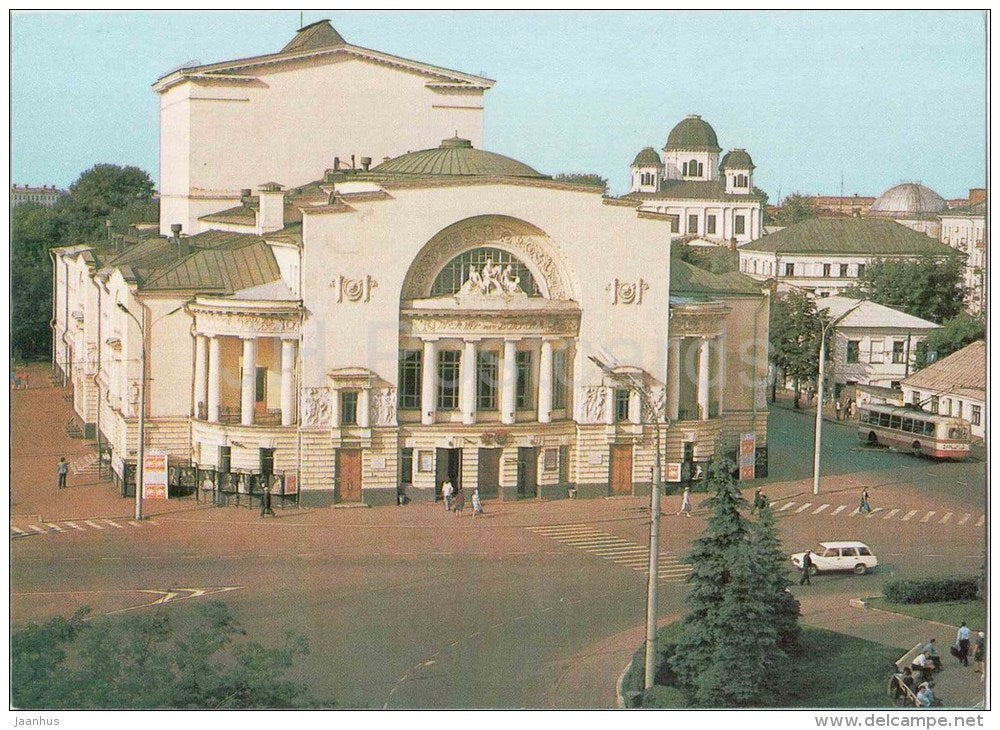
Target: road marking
(36, 528)
(114, 524)
(134, 523)
(595, 540)
(965, 518)
(944, 520)
(619, 550)
(890, 514)
(94, 525)
(804, 507)
(820, 509)
(18, 530)
(75, 526)
(927, 517)
(857, 511)
(981, 521)
(57, 528)
(552, 529)
(839, 509)
(786, 506)
(872, 513)
(909, 515)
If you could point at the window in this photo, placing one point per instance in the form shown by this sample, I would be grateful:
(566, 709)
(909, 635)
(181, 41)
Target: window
(647, 178)
(409, 378)
(977, 415)
(843, 270)
(710, 224)
(455, 273)
(883, 420)
(864, 551)
(260, 385)
(755, 266)
(694, 169)
(266, 461)
(826, 271)
(559, 379)
(739, 224)
(863, 416)
(523, 390)
(448, 375)
(225, 459)
(692, 224)
(406, 466)
(348, 408)
(958, 408)
(918, 426)
(848, 552)
(916, 398)
(789, 269)
(928, 428)
(895, 422)
(898, 353)
(675, 224)
(685, 169)
(861, 270)
(621, 405)
(935, 404)
(875, 353)
(486, 380)
(907, 424)
(854, 351)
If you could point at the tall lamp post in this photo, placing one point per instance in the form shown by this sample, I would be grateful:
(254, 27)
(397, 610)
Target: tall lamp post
(819, 393)
(142, 403)
(633, 379)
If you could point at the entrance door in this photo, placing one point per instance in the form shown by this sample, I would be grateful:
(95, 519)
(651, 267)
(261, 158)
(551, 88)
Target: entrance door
(621, 469)
(489, 472)
(449, 467)
(348, 475)
(527, 471)
(260, 392)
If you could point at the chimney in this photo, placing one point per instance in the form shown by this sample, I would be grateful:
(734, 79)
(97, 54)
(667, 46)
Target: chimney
(977, 195)
(182, 244)
(271, 212)
(336, 164)
(732, 244)
(352, 162)
(366, 162)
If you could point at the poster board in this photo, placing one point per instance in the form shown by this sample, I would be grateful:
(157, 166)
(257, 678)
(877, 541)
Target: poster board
(748, 448)
(154, 475)
(673, 472)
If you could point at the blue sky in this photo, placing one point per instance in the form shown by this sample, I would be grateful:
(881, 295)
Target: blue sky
(878, 97)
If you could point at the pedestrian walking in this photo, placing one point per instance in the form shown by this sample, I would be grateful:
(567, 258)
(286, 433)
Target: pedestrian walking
(477, 503)
(63, 471)
(838, 407)
(458, 501)
(806, 568)
(979, 653)
(962, 639)
(447, 491)
(686, 502)
(866, 506)
(759, 500)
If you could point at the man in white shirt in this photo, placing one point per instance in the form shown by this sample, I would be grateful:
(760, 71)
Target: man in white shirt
(922, 666)
(964, 634)
(446, 491)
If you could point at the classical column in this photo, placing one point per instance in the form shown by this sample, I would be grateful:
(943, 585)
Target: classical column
(467, 387)
(720, 376)
(247, 392)
(214, 377)
(703, 355)
(364, 408)
(428, 383)
(335, 409)
(545, 383)
(674, 379)
(508, 383)
(287, 382)
(200, 376)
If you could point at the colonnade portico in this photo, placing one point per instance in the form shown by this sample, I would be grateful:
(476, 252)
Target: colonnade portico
(696, 339)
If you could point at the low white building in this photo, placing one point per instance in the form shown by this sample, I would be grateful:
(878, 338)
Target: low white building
(953, 386)
(874, 344)
(964, 229)
(825, 256)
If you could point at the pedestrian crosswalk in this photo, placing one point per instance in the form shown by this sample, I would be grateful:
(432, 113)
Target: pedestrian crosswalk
(615, 549)
(791, 508)
(26, 529)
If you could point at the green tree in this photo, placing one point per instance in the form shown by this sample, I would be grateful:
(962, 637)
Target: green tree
(793, 335)
(959, 331)
(765, 216)
(150, 662)
(582, 178)
(102, 192)
(771, 565)
(929, 287)
(795, 208)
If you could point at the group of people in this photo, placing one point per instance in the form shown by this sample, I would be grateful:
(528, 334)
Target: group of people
(19, 379)
(454, 499)
(845, 409)
(918, 677)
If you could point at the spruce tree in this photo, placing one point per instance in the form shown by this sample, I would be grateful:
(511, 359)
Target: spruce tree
(772, 563)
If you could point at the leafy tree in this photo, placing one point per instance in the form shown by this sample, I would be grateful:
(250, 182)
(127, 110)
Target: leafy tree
(793, 335)
(929, 287)
(582, 178)
(959, 331)
(765, 216)
(149, 662)
(795, 208)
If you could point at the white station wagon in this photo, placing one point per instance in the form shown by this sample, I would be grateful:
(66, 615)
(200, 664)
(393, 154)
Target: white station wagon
(847, 555)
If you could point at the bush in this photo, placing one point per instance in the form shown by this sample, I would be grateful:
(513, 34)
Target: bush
(660, 697)
(932, 591)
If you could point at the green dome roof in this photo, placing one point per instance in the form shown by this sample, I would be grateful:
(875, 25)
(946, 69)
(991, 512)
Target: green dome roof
(693, 133)
(736, 160)
(647, 158)
(456, 156)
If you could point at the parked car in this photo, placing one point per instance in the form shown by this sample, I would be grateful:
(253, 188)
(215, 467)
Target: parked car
(845, 555)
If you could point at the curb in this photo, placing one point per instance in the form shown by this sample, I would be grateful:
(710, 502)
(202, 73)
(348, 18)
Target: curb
(906, 615)
(619, 697)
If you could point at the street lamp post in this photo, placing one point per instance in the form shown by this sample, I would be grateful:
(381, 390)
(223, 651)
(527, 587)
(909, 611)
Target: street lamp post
(631, 378)
(819, 393)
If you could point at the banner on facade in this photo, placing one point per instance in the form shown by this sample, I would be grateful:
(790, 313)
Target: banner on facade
(291, 483)
(154, 475)
(673, 472)
(748, 450)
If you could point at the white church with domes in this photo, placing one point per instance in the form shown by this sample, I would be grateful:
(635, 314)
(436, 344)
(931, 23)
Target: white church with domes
(703, 197)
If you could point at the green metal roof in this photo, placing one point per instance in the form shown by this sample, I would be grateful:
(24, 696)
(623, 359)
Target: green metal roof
(315, 35)
(736, 160)
(694, 190)
(979, 209)
(647, 158)
(693, 133)
(855, 236)
(455, 156)
(688, 279)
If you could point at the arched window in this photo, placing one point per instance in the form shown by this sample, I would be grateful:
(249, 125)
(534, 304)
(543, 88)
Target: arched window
(685, 169)
(450, 279)
(694, 168)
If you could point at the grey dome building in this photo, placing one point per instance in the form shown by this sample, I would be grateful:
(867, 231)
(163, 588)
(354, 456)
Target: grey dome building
(914, 205)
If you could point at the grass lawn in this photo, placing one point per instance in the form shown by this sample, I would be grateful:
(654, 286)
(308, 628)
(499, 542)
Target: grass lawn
(952, 613)
(829, 670)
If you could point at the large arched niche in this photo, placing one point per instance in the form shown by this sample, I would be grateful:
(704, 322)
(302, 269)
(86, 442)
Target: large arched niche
(530, 244)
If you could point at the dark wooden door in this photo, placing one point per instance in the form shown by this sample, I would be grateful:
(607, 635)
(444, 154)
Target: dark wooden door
(489, 472)
(621, 469)
(348, 475)
(527, 472)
